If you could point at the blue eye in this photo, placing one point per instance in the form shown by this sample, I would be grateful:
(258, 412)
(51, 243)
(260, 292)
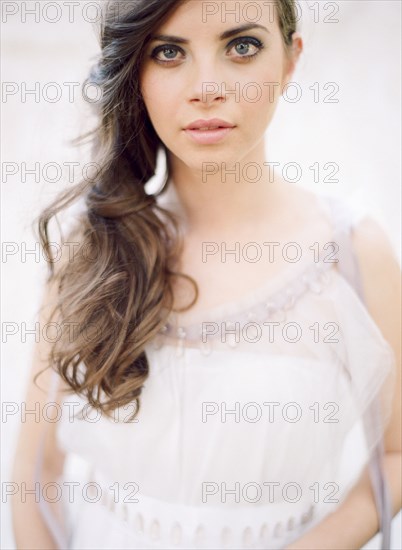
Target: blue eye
(168, 50)
(246, 47)
(247, 41)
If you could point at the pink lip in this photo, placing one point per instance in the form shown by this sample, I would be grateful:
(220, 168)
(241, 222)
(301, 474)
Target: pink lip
(212, 123)
(218, 130)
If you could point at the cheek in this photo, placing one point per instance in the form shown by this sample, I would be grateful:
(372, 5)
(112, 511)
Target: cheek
(259, 97)
(261, 86)
(157, 99)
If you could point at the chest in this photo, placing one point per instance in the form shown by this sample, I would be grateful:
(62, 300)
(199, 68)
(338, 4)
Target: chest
(226, 270)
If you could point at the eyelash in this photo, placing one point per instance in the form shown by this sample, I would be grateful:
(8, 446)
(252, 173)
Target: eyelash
(242, 40)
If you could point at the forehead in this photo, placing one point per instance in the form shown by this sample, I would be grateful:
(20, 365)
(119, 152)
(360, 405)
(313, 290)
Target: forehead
(202, 17)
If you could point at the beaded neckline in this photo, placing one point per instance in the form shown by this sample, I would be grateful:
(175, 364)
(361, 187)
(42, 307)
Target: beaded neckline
(272, 308)
(269, 302)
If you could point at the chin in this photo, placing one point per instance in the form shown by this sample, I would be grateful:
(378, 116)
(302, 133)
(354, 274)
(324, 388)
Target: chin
(195, 155)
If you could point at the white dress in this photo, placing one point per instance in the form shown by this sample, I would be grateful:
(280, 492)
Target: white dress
(243, 443)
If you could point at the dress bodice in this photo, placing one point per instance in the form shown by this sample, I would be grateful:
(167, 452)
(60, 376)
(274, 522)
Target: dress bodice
(248, 421)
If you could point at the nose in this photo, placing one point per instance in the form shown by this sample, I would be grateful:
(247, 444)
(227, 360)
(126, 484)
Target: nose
(204, 84)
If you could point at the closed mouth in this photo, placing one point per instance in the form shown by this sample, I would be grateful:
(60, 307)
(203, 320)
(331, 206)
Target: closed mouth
(207, 125)
(210, 128)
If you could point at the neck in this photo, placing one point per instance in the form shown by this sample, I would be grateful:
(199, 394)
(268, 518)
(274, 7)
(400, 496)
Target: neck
(223, 198)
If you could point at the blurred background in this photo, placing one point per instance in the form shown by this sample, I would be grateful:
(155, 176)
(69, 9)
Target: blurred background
(47, 49)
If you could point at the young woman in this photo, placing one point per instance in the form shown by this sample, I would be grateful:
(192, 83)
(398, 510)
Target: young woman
(226, 369)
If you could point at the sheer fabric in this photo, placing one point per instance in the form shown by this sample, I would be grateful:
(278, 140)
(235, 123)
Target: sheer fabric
(256, 419)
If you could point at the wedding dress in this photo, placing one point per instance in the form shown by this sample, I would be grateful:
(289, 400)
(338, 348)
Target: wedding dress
(254, 422)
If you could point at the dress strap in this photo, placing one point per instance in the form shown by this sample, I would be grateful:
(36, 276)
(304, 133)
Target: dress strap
(344, 222)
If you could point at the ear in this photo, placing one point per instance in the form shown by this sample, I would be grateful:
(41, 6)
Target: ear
(296, 49)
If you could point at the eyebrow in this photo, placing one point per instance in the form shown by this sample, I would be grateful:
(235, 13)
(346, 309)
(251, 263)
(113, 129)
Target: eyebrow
(227, 34)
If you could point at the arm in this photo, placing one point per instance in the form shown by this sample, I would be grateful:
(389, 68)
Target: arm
(30, 528)
(355, 522)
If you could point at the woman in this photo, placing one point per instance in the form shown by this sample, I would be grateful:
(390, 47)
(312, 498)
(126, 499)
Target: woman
(219, 361)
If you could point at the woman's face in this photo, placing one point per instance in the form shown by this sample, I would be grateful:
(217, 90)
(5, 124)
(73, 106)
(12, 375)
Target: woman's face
(237, 78)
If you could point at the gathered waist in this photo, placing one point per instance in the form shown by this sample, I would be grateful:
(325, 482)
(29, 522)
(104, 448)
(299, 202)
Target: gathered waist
(157, 523)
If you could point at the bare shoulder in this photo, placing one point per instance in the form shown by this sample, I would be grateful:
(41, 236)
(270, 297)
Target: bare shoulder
(381, 279)
(377, 258)
(369, 231)
(380, 274)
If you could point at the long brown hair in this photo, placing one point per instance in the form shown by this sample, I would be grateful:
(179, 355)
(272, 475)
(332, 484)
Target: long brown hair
(117, 290)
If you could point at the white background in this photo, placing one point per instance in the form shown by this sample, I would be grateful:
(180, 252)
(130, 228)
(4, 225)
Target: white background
(361, 53)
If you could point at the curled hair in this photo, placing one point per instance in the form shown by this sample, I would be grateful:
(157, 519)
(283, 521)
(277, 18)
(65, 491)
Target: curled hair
(116, 290)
